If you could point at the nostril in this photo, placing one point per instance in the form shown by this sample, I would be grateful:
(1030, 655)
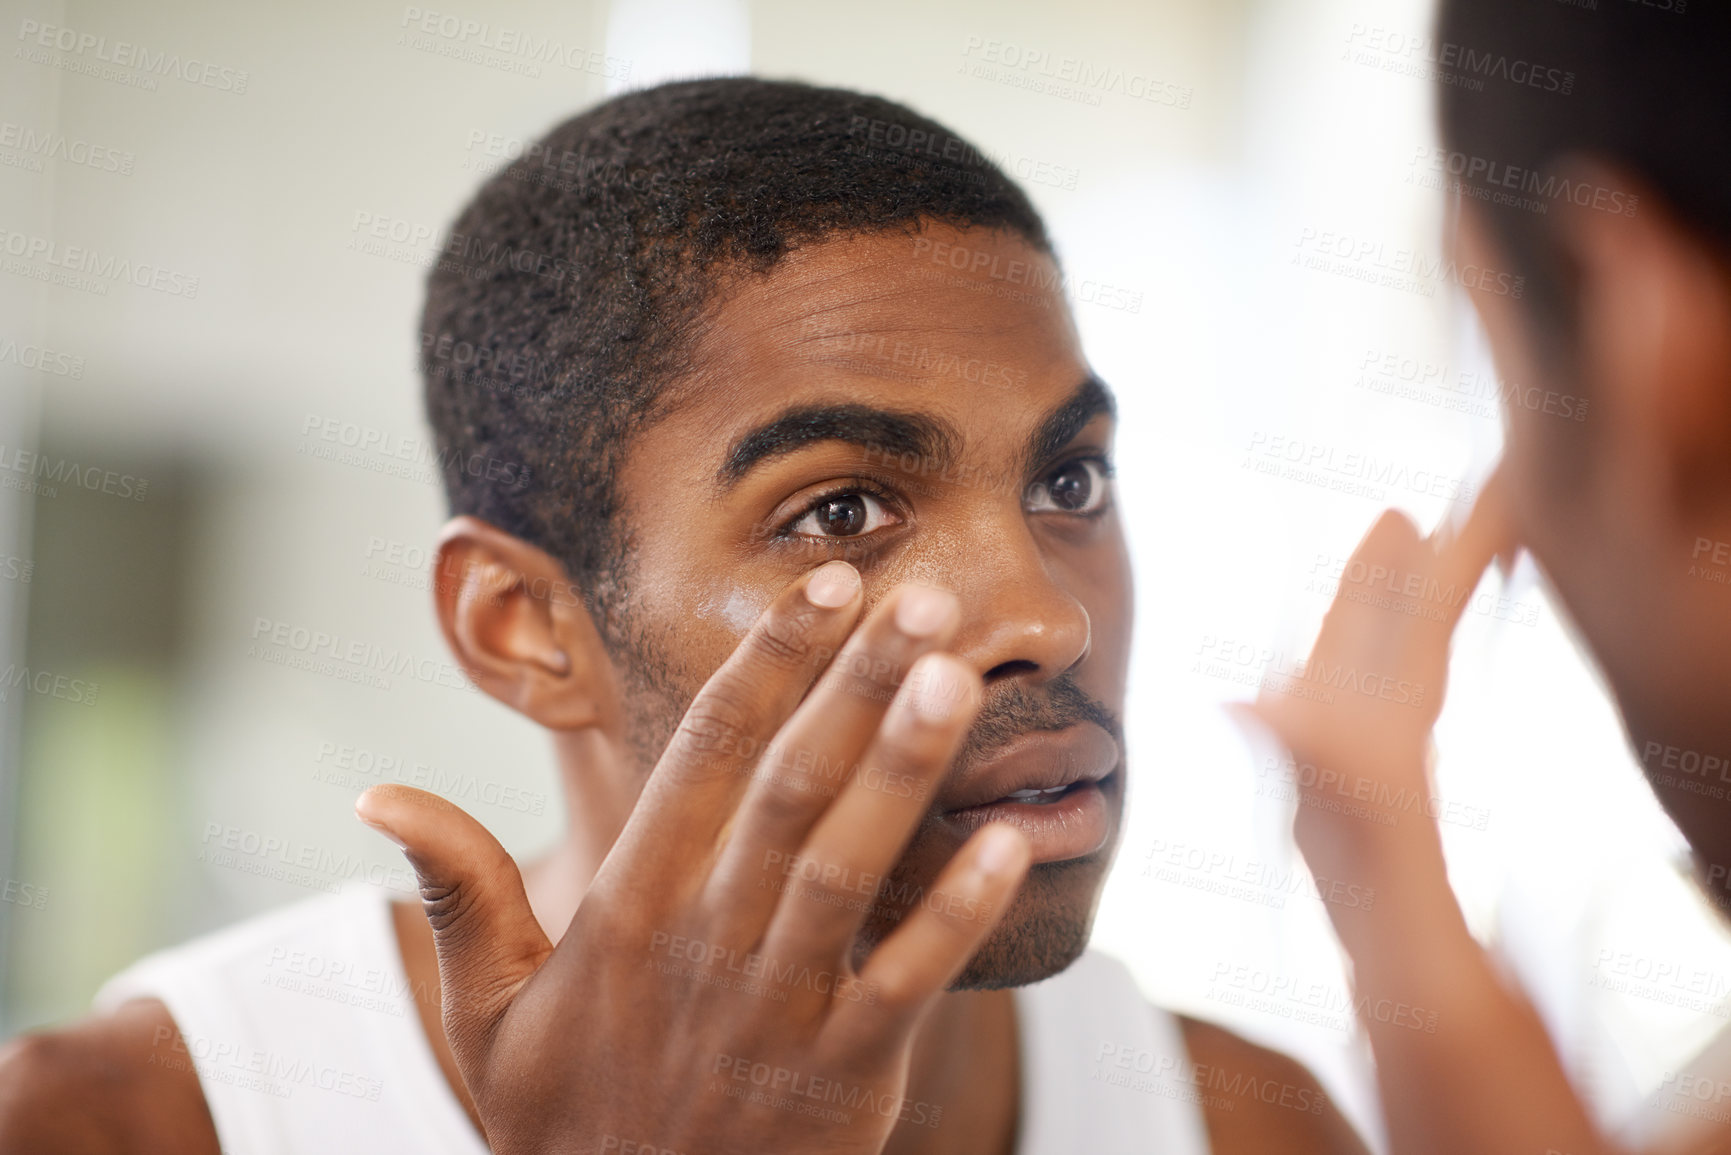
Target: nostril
(1006, 669)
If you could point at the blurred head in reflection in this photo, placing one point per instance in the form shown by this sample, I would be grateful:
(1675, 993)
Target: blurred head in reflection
(1604, 179)
(707, 336)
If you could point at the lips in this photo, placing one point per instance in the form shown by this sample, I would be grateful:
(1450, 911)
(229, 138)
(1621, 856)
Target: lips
(1050, 785)
(1037, 797)
(1036, 768)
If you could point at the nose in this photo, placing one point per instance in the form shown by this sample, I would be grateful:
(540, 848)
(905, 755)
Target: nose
(1022, 613)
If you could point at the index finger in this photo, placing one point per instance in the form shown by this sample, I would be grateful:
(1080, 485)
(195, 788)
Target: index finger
(1463, 556)
(695, 787)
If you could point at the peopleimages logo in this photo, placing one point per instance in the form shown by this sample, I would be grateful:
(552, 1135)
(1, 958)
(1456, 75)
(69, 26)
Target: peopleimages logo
(77, 259)
(984, 267)
(357, 766)
(1373, 261)
(1268, 990)
(469, 256)
(752, 973)
(300, 863)
(40, 469)
(1250, 664)
(799, 1089)
(1448, 62)
(515, 46)
(1119, 1063)
(50, 685)
(1299, 459)
(124, 54)
(1471, 391)
(892, 138)
(353, 659)
(39, 146)
(1513, 185)
(253, 1068)
(1071, 77)
(382, 451)
(41, 359)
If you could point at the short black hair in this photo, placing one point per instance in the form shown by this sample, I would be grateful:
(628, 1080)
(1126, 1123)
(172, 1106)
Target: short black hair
(571, 288)
(1641, 84)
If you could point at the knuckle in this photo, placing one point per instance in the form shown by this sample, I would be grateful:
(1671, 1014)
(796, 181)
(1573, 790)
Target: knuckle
(783, 799)
(828, 888)
(920, 732)
(445, 906)
(919, 736)
(721, 721)
(784, 639)
(872, 671)
(617, 918)
(909, 763)
(900, 993)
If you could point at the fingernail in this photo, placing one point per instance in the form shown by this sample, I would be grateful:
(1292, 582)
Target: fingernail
(387, 832)
(833, 585)
(923, 611)
(374, 824)
(1000, 848)
(933, 690)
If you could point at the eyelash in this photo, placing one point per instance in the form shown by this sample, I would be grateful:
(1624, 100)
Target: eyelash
(873, 488)
(869, 486)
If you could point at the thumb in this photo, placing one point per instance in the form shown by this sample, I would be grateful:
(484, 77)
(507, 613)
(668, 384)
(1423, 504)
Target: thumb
(487, 938)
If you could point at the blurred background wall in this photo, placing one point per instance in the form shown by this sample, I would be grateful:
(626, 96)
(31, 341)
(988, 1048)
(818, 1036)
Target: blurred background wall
(225, 447)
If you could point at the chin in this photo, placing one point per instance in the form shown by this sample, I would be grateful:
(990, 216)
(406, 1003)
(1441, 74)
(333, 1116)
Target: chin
(1045, 930)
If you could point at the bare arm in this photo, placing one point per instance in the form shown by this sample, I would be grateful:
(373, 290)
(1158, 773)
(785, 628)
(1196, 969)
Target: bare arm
(1463, 1061)
(1258, 1102)
(103, 1087)
(1488, 1079)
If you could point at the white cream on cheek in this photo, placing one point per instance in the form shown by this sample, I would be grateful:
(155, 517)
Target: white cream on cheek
(735, 607)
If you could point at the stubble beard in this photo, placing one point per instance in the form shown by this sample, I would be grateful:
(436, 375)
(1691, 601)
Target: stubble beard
(1051, 917)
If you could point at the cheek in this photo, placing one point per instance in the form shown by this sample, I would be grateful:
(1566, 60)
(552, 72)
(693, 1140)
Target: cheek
(1111, 603)
(1525, 480)
(1553, 510)
(1110, 626)
(731, 608)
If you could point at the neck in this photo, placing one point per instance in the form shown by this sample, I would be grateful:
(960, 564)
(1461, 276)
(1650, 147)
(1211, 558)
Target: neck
(965, 1063)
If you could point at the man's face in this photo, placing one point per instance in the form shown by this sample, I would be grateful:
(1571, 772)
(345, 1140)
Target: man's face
(916, 406)
(1596, 504)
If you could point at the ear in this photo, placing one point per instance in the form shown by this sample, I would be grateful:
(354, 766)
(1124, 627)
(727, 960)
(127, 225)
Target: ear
(1654, 323)
(519, 628)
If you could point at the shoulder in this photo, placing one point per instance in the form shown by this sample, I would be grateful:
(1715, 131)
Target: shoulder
(113, 1084)
(1261, 1101)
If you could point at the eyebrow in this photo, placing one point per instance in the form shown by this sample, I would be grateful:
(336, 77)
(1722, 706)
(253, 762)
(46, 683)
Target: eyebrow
(1061, 425)
(930, 438)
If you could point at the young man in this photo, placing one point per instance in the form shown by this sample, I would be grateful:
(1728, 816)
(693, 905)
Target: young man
(1628, 514)
(803, 550)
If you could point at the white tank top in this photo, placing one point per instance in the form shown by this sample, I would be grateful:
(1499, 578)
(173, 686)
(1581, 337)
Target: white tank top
(304, 1033)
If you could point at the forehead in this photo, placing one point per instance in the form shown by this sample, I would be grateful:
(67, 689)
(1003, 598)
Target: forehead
(970, 326)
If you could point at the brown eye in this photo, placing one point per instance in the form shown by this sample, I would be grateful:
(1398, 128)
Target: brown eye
(843, 515)
(1075, 487)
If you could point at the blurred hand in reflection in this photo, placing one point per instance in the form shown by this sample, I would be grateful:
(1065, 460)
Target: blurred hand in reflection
(1359, 720)
(1463, 1061)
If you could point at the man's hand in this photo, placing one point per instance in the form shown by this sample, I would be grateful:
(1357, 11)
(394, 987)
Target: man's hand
(1467, 1065)
(1380, 666)
(694, 1004)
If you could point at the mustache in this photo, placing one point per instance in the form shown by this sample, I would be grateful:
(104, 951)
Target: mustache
(1015, 709)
